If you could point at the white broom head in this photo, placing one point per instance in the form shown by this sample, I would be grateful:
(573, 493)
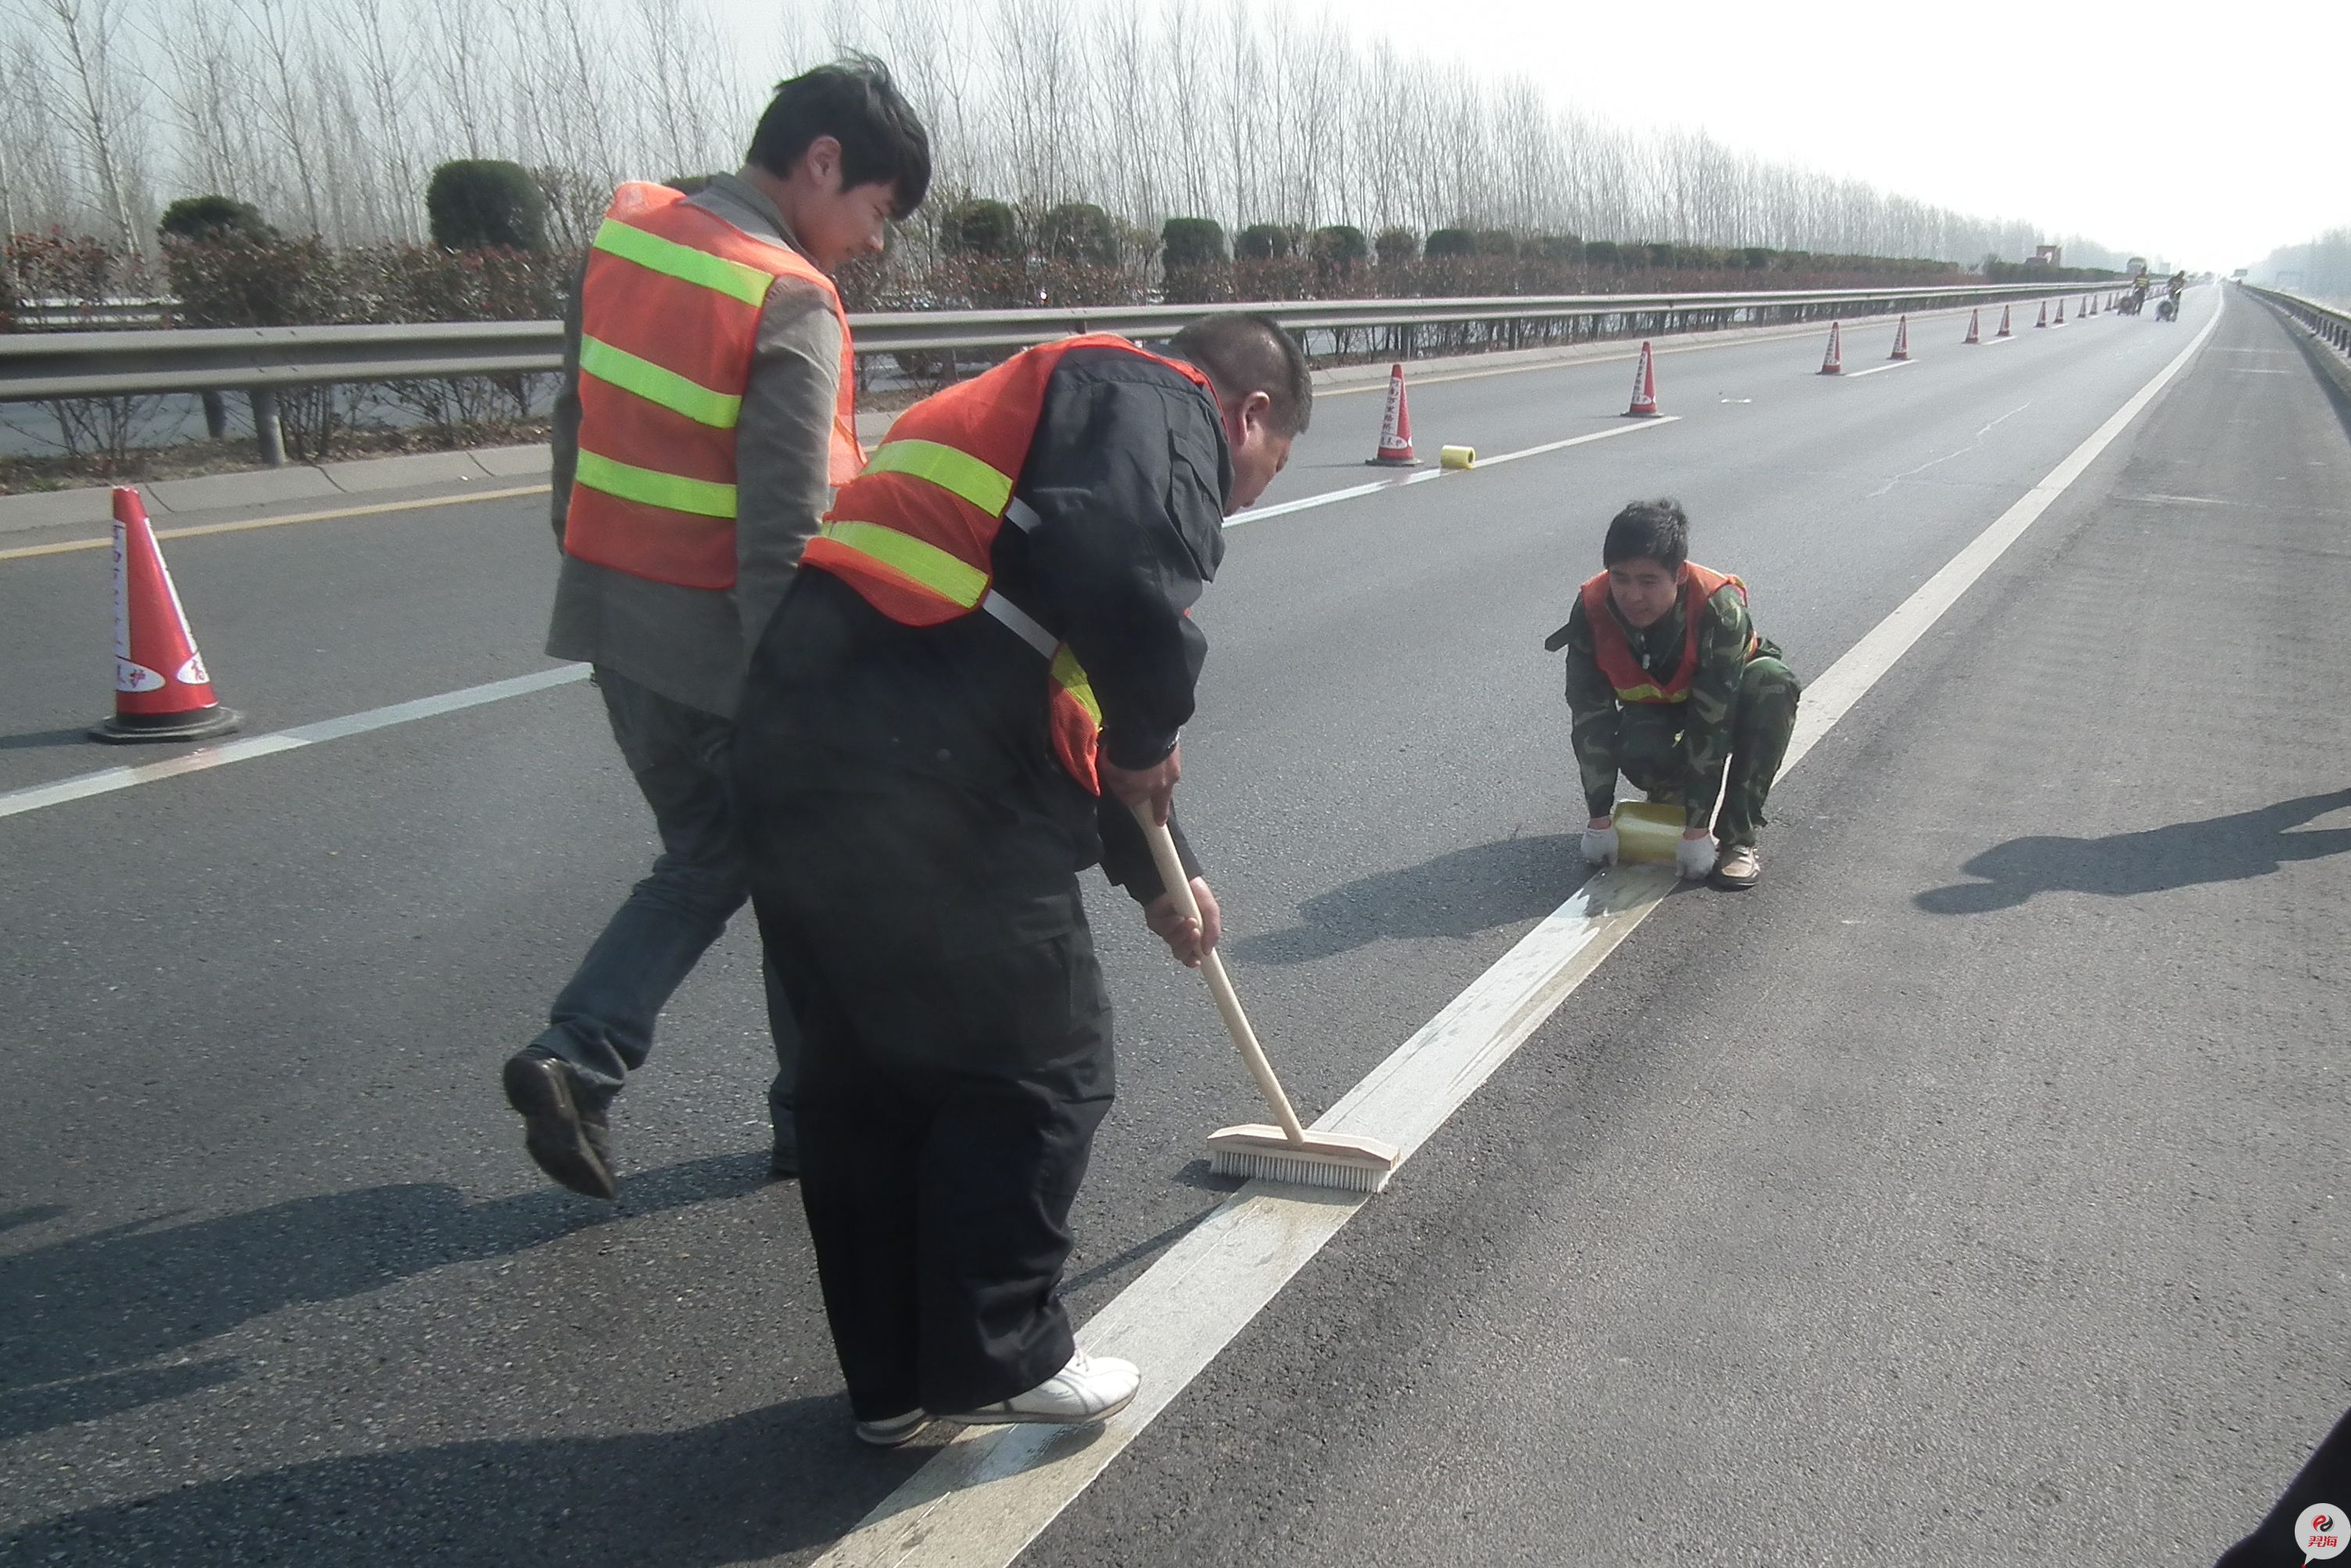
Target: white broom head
(1324, 1159)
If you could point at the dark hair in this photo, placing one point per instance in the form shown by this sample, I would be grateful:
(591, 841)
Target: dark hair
(1244, 353)
(1648, 531)
(854, 102)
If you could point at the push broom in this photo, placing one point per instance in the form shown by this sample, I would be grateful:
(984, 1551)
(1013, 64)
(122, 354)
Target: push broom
(1287, 1152)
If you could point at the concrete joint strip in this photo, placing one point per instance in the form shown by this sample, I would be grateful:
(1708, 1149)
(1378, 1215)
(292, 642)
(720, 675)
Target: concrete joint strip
(259, 488)
(514, 462)
(93, 506)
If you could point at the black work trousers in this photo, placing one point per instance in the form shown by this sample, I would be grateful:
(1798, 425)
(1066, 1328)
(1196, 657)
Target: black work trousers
(955, 1062)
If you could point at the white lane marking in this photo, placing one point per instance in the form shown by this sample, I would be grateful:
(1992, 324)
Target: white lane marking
(982, 1499)
(107, 780)
(1879, 370)
(1424, 475)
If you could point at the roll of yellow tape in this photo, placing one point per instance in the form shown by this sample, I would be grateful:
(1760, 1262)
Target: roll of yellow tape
(1458, 456)
(1646, 833)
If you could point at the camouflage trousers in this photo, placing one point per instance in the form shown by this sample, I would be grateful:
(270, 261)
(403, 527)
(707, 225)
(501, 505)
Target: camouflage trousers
(1763, 717)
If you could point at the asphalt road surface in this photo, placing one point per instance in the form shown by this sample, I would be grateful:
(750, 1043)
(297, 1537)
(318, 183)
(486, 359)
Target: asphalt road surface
(1971, 1193)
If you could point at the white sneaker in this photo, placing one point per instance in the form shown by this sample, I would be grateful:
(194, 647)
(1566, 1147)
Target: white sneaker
(894, 1430)
(1090, 1388)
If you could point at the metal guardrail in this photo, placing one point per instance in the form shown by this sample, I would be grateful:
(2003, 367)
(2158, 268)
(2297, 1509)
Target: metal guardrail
(2327, 322)
(47, 367)
(42, 365)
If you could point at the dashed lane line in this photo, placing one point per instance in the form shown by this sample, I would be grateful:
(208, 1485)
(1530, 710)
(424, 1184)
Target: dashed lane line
(983, 1498)
(107, 780)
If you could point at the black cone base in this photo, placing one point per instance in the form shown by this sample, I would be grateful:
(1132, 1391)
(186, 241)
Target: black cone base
(201, 723)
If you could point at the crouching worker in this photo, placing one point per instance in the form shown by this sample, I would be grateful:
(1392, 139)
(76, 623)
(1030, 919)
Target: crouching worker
(1666, 681)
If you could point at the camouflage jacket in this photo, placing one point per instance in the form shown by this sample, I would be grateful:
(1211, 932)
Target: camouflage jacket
(1723, 635)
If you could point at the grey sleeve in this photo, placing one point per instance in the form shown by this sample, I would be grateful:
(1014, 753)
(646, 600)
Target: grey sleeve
(782, 447)
(563, 443)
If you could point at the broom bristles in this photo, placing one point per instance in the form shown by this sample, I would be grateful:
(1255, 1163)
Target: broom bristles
(1326, 1159)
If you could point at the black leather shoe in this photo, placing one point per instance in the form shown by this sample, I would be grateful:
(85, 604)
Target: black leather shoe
(562, 1133)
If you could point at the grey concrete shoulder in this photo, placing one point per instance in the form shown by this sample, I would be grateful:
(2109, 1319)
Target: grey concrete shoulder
(265, 486)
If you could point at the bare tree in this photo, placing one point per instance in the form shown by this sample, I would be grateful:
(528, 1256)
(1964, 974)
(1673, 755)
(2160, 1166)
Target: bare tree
(87, 38)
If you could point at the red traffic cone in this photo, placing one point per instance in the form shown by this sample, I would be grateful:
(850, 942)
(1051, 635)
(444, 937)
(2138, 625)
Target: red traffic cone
(1645, 387)
(2090, 306)
(2045, 315)
(2005, 329)
(161, 690)
(2061, 315)
(1901, 340)
(1975, 327)
(1834, 363)
(1395, 428)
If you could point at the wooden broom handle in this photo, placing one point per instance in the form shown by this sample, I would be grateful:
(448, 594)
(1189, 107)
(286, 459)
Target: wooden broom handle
(1180, 887)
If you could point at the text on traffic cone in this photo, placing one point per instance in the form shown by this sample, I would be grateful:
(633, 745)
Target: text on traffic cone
(161, 689)
(1645, 387)
(1394, 450)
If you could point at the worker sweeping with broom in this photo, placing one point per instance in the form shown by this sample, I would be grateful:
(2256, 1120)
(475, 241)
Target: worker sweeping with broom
(970, 693)
(1668, 682)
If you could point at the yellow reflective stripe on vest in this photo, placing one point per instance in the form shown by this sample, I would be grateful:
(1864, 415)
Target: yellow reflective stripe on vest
(951, 469)
(700, 496)
(954, 581)
(1651, 695)
(657, 385)
(733, 278)
(1071, 677)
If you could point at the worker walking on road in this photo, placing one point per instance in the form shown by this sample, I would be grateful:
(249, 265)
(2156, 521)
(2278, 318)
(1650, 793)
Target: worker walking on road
(985, 663)
(1667, 681)
(707, 412)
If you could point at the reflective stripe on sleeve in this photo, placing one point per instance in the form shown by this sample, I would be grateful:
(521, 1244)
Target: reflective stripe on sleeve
(656, 385)
(1021, 622)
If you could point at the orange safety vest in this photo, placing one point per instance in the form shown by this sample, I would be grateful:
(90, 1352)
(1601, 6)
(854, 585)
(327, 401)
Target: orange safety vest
(669, 320)
(1613, 650)
(915, 533)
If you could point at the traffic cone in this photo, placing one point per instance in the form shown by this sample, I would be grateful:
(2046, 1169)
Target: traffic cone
(1395, 428)
(1975, 326)
(2005, 329)
(1833, 365)
(2061, 315)
(2045, 315)
(1645, 387)
(1901, 340)
(161, 690)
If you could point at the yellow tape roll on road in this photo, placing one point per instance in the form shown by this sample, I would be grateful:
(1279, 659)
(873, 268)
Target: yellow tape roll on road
(1646, 833)
(1458, 456)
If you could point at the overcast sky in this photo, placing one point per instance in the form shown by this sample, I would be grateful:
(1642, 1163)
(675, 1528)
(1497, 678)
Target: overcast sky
(2209, 139)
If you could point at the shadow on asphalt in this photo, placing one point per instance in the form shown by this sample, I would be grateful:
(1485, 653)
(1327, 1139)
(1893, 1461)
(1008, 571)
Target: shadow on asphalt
(1459, 894)
(743, 1489)
(83, 1309)
(2185, 854)
(33, 740)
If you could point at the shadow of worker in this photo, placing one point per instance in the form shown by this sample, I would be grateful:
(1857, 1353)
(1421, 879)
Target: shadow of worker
(2218, 849)
(764, 1483)
(1461, 893)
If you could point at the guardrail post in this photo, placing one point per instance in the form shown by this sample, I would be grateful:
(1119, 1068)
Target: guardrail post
(215, 414)
(267, 434)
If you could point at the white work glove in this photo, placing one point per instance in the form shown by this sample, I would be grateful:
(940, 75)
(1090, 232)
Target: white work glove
(1693, 858)
(1600, 845)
